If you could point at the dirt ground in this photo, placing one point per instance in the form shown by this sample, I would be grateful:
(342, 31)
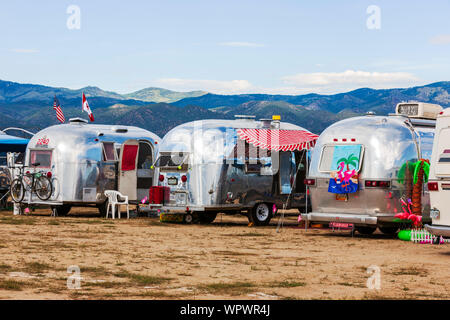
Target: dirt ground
(142, 258)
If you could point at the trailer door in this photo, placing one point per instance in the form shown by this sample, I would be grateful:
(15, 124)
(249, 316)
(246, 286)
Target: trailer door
(287, 171)
(127, 184)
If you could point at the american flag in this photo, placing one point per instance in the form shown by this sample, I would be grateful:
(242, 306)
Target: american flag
(59, 113)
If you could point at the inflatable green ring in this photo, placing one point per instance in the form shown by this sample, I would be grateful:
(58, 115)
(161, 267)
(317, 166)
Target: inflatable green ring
(404, 235)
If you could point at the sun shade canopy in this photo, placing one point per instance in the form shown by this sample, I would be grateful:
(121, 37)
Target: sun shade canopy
(12, 144)
(279, 140)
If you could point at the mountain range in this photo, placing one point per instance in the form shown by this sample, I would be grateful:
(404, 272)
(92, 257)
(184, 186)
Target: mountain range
(30, 106)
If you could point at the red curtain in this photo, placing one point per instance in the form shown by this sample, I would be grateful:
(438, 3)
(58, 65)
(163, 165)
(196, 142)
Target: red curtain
(129, 157)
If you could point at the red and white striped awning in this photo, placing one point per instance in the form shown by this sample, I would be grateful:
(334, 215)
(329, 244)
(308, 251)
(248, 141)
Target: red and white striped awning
(279, 140)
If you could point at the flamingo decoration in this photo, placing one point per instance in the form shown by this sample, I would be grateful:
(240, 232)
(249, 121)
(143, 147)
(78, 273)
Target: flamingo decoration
(341, 169)
(348, 175)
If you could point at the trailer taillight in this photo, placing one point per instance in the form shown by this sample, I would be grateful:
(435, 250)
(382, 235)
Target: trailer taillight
(183, 178)
(433, 186)
(49, 175)
(310, 182)
(161, 177)
(377, 184)
(384, 184)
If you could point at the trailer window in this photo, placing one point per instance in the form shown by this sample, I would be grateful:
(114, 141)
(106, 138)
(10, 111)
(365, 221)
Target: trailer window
(334, 155)
(109, 153)
(287, 171)
(171, 161)
(43, 157)
(145, 158)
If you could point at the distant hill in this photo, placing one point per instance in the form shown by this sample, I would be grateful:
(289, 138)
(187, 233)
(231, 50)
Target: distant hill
(312, 120)
(11, 92)
(162, 95)
(30, 106)
(361, 100)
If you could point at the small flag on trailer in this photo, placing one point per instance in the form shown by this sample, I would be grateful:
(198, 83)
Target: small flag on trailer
(87, 109)
(59, 113)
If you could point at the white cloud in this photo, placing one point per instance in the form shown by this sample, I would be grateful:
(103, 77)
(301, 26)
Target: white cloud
(301, 83)
(441, 39)
(24, 50)
(242, 44)
(215, 86)
(331, 82)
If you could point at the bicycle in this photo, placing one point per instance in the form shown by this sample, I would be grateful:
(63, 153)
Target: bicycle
(40, 184)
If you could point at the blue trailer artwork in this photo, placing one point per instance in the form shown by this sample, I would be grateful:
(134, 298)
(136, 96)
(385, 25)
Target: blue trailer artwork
(345, 165)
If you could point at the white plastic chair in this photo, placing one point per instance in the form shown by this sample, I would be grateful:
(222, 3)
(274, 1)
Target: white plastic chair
(113, 201)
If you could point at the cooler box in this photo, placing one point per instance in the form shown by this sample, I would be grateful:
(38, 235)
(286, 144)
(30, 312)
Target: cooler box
(159, 195)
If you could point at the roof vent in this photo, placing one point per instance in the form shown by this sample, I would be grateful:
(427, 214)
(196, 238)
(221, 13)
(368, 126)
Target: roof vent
(119, 129)
(244, 117)
(78, 120)
(370, 113)
(266, 122)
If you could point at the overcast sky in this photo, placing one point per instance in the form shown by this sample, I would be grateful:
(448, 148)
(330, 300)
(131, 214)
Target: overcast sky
(290, 47)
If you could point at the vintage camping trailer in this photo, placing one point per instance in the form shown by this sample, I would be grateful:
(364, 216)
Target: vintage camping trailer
(84, 160)
(439, 178)
(361, 168)
(8, 143)
(232, 166)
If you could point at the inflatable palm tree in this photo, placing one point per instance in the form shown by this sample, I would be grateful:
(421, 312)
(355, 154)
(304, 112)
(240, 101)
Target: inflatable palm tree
(405, 177)
(350, 160)
(420, 176)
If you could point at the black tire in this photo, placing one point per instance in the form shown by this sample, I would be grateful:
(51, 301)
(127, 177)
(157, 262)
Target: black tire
(3, 202)
(43, 188)
(389, 230)
(62, 211)
(207, 217)
(188, 218)
(261, 214)
(102, 207)
(17, 190)
(366, 230)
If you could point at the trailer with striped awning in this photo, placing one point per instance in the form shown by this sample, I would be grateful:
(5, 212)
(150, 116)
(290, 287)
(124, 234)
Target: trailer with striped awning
(247, 166)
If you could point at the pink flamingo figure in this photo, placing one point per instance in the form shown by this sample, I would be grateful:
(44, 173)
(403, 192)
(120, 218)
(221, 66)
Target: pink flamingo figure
(348, 175)
(415, 219)
(405, 214)
(341, 169)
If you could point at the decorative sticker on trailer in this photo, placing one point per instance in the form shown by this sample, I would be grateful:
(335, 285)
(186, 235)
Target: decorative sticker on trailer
(345, 165)
(43, 142)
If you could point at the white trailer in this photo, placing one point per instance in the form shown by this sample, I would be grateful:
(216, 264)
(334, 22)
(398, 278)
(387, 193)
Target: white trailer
(439, 177)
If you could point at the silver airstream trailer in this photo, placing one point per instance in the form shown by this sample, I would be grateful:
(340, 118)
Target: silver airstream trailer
(232, 166)
(84, 160)
(359, 172)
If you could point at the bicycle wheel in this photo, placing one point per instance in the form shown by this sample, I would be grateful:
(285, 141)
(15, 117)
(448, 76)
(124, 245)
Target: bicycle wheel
(43, 188)
(17, 190)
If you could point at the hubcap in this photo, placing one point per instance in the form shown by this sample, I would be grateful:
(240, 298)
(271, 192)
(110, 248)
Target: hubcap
(188, 218)
(262, 212)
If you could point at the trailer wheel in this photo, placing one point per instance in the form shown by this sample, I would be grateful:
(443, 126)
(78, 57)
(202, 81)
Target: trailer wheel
(366, 230)
(389, 230)
(62, 211)
(261, 214)
(207, 217)
(188, 218)
(102, 208)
